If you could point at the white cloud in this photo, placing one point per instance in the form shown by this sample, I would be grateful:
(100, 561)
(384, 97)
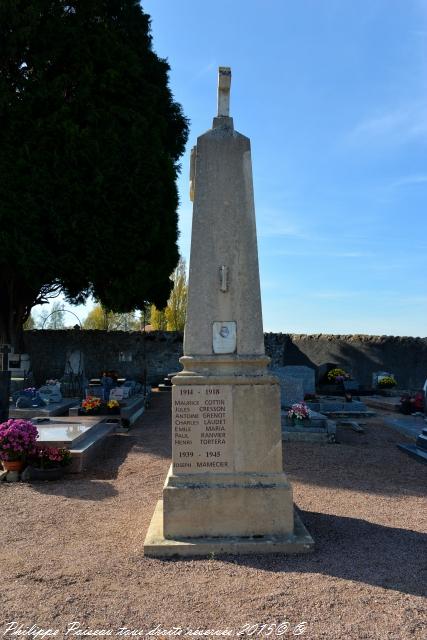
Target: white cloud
(336, 295)
(208, 68)
(397, 126)
(410, 180)
(319, 254)
(277, 223)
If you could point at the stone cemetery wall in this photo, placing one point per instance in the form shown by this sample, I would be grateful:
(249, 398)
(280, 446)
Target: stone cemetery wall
(361, 355)
(123, 351)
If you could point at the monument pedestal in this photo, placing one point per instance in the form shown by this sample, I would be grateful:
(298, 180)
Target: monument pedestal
(157, 546)
(229, 505)
(226, 491)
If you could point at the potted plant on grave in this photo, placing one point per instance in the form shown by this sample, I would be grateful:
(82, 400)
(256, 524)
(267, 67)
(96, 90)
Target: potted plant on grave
(92, 406)
(299, 413)
(113, 407)
(17, 442)
(47, 463)
(337, 376)
(386, 382)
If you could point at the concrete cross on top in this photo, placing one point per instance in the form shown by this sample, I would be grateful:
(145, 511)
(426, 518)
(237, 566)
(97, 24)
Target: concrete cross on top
(224, 83)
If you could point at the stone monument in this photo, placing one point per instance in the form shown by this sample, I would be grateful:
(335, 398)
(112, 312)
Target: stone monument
(226, 490)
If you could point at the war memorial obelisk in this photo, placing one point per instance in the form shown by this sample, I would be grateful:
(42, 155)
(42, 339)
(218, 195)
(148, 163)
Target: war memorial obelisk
(226, 491)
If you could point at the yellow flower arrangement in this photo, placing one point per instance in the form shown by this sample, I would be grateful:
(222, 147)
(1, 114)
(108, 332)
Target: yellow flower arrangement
(387, 382)
(113, 404)
(337, 375)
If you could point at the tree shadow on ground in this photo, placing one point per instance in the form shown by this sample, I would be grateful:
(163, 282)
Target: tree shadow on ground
(370, 462)
(356, 550)
(114, 453)
(143, 440)
(77, 488)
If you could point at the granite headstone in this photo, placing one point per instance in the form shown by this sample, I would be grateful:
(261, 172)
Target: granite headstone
(305, 374)
(295, 383)
(292, 391)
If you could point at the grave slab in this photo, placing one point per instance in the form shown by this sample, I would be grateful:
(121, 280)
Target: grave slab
(83, 436)
(85, 452)
(57, 433)
(415, 452)
(317, 429)
(334, 408)
(419, 449)
(383, 402)
(49, 411)
(410, 426)
(130, 411)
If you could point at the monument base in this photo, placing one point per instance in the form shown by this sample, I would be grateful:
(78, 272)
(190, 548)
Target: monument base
(242, 505)
(157, 546)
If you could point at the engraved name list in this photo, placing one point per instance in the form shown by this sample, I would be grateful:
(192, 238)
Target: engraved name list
(202, 422)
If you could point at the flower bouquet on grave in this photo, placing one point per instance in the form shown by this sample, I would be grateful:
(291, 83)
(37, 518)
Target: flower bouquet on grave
(386, 382)
(17, 442)
(92, 406)
(299, 413)
(47, 463)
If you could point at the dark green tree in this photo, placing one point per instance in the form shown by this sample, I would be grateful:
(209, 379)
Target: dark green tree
(90, 138)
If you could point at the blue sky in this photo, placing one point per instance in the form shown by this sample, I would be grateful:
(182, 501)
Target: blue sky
(333, 94)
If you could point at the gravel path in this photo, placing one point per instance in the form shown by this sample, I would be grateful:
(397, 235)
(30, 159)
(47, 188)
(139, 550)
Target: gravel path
(71, 551)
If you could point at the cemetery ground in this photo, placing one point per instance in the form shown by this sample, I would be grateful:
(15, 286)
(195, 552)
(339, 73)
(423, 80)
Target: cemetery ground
(71, 551)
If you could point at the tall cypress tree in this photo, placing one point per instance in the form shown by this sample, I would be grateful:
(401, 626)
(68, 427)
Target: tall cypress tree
(90, 138)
